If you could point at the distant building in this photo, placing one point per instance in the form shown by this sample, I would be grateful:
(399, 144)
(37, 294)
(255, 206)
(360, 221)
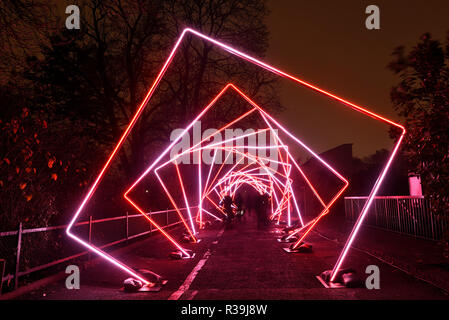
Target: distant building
(325, 182)
(340, 158)
(361, 175)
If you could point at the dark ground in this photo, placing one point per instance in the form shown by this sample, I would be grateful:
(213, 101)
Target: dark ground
(247, 263)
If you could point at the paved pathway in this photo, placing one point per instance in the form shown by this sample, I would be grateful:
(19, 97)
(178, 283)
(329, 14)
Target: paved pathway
(241, 262)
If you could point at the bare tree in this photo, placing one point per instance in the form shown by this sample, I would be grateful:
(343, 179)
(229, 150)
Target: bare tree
(123, 44)
(24, 26)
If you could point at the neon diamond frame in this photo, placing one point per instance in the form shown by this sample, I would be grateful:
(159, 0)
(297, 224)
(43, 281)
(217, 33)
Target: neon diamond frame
(282, 74)
(287, 193)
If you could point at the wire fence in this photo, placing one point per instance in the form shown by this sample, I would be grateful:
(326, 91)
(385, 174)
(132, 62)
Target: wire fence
(165, 219)
(411, 215)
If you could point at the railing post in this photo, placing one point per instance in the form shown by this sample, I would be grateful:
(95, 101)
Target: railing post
(19, 245)
(388, 222)
(352, 209)
(346, 209)
(127, 226)
(2, 272)
(90, 233)
(399, 216)
(376, 212)
(430, 213)
(414, 223)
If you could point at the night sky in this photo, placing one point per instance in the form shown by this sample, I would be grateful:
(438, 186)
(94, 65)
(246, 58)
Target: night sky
(326, 43)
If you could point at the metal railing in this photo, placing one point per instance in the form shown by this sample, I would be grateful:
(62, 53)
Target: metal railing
(411, 215)
(164, 223)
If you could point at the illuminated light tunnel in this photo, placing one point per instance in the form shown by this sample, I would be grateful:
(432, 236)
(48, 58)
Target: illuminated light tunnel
(279, 185)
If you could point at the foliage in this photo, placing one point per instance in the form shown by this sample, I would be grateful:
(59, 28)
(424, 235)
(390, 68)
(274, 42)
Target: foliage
(422, 98)
(34, 166)
(85, 85)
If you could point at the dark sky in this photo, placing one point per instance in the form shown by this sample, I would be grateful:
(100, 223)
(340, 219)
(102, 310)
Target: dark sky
(326, 43)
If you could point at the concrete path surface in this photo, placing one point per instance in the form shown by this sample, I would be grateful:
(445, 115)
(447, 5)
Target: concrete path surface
(241, 262)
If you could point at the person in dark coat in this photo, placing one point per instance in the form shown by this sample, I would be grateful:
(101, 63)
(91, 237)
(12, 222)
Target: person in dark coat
(227, 203)
(238, 200)
(262, 205)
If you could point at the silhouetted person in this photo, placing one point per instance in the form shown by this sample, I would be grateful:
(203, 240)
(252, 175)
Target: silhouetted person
(247, 202)
(227, 205)
(238, 200)
(262, 204)
(253, 198)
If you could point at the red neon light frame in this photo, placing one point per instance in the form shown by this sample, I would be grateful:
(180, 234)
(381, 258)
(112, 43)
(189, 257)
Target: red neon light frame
(198, 147)
(271, 69)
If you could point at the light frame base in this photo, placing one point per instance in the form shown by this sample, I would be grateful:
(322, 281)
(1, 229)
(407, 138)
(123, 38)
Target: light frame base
(330, 285)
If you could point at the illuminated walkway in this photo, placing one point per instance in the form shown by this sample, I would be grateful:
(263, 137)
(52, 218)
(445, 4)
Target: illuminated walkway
(240, 262)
